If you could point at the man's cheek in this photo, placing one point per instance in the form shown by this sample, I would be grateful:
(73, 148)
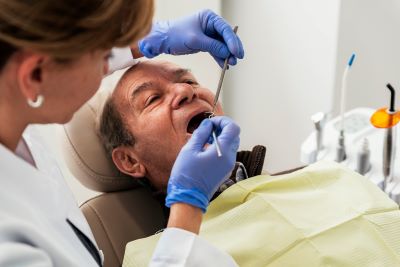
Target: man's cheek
(188, 136)
(218, 110)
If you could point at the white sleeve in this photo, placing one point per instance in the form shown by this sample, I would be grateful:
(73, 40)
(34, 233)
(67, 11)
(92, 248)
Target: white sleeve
(178, 247)
(121, 58)
(17, 254)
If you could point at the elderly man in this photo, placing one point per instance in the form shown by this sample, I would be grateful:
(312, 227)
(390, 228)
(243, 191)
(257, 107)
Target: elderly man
(175, 103)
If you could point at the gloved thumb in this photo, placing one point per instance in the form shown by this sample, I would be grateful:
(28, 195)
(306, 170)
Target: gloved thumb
(229, 130)
(200, 136)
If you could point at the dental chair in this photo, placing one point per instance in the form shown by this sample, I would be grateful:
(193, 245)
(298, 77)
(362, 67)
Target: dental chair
(125, 210)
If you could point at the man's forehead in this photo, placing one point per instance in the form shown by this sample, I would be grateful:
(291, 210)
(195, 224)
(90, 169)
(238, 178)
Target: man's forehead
(149, 68)
(149, 72)
(144, 74)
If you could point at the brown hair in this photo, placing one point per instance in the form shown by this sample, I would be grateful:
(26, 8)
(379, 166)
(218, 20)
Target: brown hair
(66, 29)
(112, 129)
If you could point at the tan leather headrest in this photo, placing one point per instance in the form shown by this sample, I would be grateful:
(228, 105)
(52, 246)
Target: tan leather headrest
(84, 152)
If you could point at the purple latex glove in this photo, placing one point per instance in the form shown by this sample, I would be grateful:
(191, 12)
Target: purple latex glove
(198, 171)
(204, 31)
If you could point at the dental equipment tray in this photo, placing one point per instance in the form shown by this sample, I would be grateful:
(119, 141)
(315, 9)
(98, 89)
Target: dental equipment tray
(357, 127)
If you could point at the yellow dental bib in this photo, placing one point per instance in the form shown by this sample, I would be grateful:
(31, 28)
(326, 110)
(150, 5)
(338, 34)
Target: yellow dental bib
(322, 215)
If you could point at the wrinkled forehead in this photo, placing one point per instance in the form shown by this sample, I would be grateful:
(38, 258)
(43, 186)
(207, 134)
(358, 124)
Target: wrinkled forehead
(159, 66)
(147, 72)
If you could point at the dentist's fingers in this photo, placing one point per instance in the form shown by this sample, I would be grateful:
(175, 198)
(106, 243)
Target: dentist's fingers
(231, 61)
(232, 41)
(200, 136)
(227, 135)
(198, 172)
(228, 129)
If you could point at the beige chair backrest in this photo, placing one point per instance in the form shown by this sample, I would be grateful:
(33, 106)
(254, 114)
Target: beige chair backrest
(125, 211)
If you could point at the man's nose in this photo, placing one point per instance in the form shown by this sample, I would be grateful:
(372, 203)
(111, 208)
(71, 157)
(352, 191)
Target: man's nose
(184, 94)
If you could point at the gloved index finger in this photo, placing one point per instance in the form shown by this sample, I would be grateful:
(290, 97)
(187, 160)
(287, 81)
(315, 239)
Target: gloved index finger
(225, 127)
(232, 41)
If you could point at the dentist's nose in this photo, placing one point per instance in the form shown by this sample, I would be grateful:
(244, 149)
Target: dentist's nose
(184, 93)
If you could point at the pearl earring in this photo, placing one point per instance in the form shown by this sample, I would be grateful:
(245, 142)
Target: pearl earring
(37, 103)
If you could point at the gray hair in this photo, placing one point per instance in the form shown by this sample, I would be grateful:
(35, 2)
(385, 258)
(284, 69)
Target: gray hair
(113, 131)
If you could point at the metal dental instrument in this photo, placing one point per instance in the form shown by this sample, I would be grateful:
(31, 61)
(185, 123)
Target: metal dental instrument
(219, 153)
(221, 79)
(341, 149)
(319, 122)
(363, 158)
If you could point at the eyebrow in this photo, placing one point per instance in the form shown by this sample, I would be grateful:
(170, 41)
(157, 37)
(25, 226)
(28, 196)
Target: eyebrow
(141, 88)
(179, 73)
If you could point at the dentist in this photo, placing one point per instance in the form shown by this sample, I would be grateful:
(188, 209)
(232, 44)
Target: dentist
(53, 55)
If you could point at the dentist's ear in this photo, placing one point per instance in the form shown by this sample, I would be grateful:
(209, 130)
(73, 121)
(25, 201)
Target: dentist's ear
(30, 74)
(128, 163)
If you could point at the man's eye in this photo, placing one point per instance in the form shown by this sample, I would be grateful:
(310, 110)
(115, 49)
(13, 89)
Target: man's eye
(191, 82)
(151, 99)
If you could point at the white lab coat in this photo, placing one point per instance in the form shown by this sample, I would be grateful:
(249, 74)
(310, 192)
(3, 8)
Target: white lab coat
(36, 204)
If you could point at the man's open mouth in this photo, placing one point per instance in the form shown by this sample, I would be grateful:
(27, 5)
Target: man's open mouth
(196, 120)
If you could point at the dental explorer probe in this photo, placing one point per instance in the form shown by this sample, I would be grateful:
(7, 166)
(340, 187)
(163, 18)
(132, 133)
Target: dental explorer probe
(221, 79)
(341, 149)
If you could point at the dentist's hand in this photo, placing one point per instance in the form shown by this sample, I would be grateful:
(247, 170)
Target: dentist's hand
(204, 31)
(198, 171)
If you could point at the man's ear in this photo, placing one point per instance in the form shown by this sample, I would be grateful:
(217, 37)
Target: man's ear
(30, 74)
(127, 162)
